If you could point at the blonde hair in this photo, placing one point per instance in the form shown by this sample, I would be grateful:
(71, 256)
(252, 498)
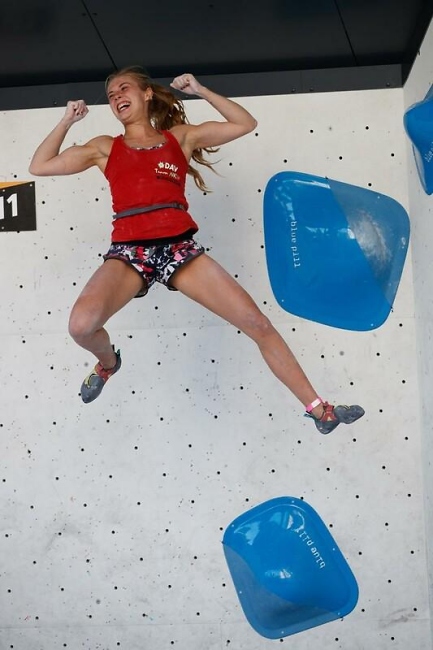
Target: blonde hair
(165, 111)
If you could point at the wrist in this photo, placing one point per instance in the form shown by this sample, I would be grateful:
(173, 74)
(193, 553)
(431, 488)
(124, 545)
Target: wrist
(203, 92)
(66, 124)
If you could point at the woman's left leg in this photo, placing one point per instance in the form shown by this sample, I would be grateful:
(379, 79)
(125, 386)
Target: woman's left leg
(206, 282)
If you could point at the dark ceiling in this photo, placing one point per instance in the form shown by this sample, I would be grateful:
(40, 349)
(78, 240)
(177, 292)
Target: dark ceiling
(55, 50)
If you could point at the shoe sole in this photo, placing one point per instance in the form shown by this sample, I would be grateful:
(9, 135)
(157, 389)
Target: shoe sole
(348, 414)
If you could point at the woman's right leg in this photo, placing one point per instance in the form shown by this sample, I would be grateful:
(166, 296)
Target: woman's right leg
(110, 288)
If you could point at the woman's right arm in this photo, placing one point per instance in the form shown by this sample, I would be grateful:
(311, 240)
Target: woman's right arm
(47, 159)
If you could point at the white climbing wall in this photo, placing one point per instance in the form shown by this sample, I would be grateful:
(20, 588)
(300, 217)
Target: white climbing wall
(113, 512)
(419, 83)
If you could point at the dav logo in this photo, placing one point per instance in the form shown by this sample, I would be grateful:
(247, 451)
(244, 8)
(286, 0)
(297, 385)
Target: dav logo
(166, 165)
(168, 171)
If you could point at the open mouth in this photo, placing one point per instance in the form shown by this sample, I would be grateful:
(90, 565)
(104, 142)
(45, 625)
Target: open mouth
(122, 106)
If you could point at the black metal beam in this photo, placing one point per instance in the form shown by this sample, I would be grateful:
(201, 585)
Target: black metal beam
(236, 85)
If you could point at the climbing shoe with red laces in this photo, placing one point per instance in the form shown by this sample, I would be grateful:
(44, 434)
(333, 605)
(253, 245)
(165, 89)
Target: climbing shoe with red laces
(94, 383)
(334, 415)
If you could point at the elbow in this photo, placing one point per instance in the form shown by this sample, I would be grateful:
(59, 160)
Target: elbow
(252, 125)
(35, 170)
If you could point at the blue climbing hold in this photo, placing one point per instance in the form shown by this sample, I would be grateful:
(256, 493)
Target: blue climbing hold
(335, 252)
(288, 572)
(418, 122)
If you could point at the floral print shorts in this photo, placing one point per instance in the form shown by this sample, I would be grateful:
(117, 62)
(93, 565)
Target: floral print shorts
(155, 263)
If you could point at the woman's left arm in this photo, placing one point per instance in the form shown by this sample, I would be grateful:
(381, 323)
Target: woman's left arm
(238, 121)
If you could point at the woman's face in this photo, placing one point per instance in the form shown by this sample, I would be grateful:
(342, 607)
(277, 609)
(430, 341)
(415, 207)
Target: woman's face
(127, 100)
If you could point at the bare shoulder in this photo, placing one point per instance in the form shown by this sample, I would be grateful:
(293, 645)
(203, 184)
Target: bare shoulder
(184, 134)
(101, 144)
(97, 151)
(181, 131)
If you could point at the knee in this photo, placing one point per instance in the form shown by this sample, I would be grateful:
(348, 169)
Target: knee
(258, 326)
(82, 323)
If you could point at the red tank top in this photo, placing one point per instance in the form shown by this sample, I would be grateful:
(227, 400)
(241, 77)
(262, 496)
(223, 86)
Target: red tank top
(143, 177)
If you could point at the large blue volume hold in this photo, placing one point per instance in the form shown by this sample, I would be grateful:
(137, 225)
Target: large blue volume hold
(335, 252)
(288, 572)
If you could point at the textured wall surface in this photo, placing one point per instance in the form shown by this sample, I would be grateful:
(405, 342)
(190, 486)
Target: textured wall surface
(421, 206)
(113, 512)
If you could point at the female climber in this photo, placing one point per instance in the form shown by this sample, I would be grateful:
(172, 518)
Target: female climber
(153, 232)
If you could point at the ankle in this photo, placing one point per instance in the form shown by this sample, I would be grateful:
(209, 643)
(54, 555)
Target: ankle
(316, 408)
(318, 411)
(108, 361)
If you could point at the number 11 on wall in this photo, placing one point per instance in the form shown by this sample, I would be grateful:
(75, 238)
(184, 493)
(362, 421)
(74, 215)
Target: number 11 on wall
(17, 206)
(13, 201)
